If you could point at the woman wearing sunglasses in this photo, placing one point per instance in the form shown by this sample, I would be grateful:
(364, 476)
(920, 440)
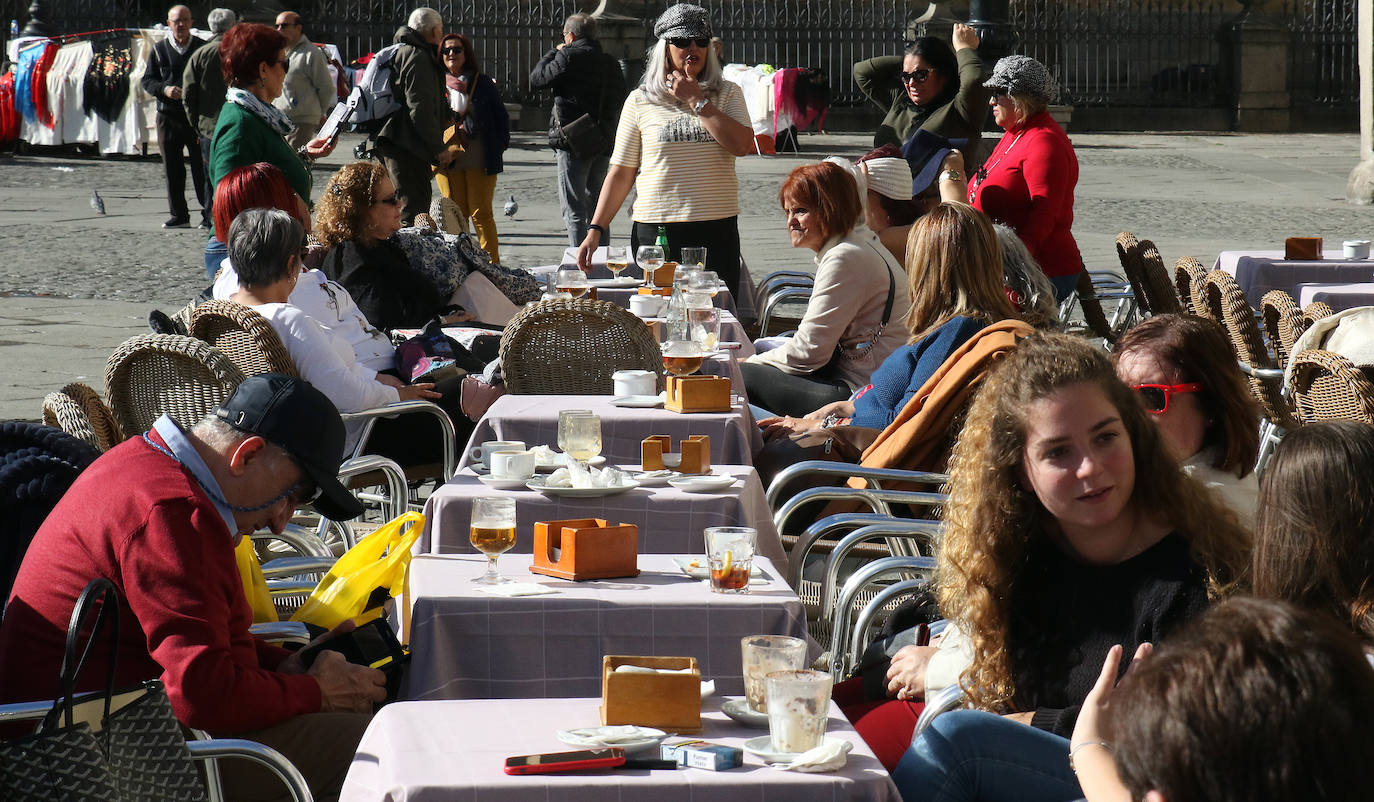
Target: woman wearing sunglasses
(929, 87)
(1027, 181)
(1185, 374)
(479, 135)
(676, 144)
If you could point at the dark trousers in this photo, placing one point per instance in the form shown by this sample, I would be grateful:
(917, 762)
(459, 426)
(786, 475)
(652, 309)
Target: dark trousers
(413, 179)
(720, 238)
(174, 136)
(207, 206)
(786, 394)
(320, 745)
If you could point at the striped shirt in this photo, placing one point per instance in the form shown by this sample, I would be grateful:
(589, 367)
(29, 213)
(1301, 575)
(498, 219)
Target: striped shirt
(685, 175)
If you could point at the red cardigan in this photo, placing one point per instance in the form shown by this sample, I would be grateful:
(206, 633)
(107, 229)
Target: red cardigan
(1029, 185)
(139, 519)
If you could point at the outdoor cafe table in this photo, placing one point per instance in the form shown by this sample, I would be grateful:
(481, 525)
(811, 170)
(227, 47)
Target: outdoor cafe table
(670, 521)
(1258, 272)
(533, 420)
(1339, 297)
(466, 644)
(442, 751)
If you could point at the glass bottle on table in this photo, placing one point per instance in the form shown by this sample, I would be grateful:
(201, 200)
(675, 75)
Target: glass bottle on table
(492, 533)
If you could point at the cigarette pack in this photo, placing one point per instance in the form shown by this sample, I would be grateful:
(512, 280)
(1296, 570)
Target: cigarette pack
(703, 755)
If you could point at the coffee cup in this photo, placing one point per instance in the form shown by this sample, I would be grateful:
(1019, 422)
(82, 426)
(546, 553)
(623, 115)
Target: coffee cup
(482, 453)
(645, 305)
(634, 382)
(1356, 248)
(512, 464)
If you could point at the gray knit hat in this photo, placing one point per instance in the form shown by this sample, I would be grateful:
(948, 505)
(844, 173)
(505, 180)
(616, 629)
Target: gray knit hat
(1023, 75)
(683, 21)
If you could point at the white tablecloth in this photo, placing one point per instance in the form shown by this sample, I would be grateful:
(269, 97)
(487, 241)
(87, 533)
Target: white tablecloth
(452, 751)
(466, 644)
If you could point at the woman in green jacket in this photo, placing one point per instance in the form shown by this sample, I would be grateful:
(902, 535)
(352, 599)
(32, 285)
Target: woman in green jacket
(250, 128)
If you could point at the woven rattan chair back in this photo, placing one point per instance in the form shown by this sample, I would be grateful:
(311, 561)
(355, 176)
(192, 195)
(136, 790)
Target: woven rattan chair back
(1328, 386)
(1189, 276)
(1283, 323)
(242, 335)
(1228, 306)
(155, 374)
(1128, 253)
(1316, 311)
(1093, 313)
(1164, 299)
(78, 410)
(573, 346)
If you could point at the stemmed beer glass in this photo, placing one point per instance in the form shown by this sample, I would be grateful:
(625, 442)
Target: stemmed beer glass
(492, 533)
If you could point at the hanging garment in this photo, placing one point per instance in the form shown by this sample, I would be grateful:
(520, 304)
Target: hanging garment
(106, 88)
(9, 116)
(67, 83)
(23, 81)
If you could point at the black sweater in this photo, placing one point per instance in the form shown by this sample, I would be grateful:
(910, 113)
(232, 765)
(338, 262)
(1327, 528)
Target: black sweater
(387, 290)
(1066, 614)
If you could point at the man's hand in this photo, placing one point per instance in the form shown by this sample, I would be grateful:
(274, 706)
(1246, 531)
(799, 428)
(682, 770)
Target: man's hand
(444, 158)
(906, 674)
(587, 249)
(173, 92)
(964, 36)
(344, 687)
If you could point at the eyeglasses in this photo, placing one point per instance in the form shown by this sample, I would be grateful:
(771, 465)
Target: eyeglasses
(1156, 397)
(916, 76)
(451, 51)
(683, 44)
(392, 200)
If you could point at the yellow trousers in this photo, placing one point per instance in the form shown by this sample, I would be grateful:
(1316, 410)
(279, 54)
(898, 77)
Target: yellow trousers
(474, 191)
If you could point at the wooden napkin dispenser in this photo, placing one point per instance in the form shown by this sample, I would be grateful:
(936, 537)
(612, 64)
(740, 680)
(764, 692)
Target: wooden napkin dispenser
(1307, 248)
(669, 702)
(698, 394)
(695, 452)
(585, 548)
(663, 292)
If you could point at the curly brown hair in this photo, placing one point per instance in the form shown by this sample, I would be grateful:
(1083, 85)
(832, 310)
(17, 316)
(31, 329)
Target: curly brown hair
(341, 214)
(991, 525)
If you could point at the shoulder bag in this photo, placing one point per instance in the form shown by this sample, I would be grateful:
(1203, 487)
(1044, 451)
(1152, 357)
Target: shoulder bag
(583, 137)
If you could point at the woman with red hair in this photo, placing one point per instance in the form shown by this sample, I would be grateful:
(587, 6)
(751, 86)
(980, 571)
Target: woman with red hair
(860, 289)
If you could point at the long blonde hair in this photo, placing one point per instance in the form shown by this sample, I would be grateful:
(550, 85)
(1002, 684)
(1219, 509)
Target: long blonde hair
(991, 524)
(954, 268)
(341, 214)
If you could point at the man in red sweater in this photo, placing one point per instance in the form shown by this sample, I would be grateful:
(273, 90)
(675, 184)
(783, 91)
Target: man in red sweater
(159, 516)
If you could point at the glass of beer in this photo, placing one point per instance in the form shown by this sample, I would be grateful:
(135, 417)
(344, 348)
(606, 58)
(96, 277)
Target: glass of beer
(682, 357)
(492, 533)
(617, 259)
(572, 281)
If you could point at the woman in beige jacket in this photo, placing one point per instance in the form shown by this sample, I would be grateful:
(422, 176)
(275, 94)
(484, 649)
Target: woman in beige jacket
(859, 300)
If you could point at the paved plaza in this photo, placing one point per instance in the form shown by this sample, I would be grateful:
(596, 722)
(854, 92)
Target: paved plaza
(74, 283)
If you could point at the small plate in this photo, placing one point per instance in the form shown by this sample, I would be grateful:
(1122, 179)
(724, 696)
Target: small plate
(502, 484)
(619, 281)
(537, 483)
(624, 736)
(695, 566)
(739, 710)
(653, 478)
(637, 401)
(762, 747)
(702, 484)
(561, 461)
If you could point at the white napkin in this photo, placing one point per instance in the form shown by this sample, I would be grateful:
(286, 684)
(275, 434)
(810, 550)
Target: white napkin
(575, 475)
(510, 589)
(543, 455)
(829, 756)
(627, 669)
(615, 734)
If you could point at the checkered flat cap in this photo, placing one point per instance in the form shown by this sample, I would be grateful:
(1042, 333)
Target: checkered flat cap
(1023, 75)
(683, 21)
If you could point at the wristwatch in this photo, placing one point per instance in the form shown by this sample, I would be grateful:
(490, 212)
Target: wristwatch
(699, 105)
(952, 175)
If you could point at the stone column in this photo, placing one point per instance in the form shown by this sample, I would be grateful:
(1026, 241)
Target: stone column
(1255, 57)
(1359, 188)
(620, 27)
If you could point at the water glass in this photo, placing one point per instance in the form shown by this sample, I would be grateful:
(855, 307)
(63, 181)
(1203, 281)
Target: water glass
(492, 533)
(694, 256)
(730, 553)
(703, 323)
(579, 434)
(798, 708)
(705, 281)
(682, 357)
(764, 654)
(649, 258)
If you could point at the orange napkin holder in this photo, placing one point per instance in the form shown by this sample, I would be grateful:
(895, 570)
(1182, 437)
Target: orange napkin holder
(663, 292)
(585, 548)
(669, 702)
(695, 451)
(1307, 248)
(698, 394)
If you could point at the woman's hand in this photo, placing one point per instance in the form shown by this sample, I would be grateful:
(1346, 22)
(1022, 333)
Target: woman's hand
(587, 249)
(456, 317)
(424, 391)
(953, 161)
(685, 88)
(964, 36)
(1020, 718)
(390, 381)
(906, 674)
(1088, 727)
(1093, 762)
(320, 147)
(840, 409)
(780, 427)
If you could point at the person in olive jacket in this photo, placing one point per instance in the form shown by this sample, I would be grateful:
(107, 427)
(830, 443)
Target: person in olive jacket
(931, 87)
(411, 141)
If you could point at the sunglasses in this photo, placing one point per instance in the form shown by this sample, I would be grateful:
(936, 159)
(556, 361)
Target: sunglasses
(683, 44)
(451, 51)
(997, 94)
(1156, 397)
(304, 493)
(916, 76)
(394, 199)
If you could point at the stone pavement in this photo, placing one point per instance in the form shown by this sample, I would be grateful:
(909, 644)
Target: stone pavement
(74, 284)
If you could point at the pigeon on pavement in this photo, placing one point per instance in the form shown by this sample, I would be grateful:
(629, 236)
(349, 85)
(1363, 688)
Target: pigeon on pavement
(511, 207)
(97, 202)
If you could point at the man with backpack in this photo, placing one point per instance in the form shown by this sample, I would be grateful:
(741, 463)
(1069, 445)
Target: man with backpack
(411, 141)
(584, 80)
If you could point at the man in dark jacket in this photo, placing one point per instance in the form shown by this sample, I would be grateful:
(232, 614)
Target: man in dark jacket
(202, 94)
(411, 141)
(162, 80)
(584, 80)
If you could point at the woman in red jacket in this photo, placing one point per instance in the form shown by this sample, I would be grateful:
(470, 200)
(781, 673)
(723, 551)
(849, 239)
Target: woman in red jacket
(1027, 181)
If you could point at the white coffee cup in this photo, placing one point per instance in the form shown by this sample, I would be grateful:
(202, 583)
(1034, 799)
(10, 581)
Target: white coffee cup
(635, 382)
(512, 464)
(483, 452)
(645, 305)
(1356, 248)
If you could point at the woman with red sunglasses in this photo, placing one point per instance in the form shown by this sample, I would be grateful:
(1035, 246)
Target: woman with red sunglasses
(1185, 374)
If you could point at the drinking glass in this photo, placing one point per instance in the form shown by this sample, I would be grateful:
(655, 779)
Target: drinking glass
(682, 357)
(579, 434)
(798, 707)
(705, 281)
(730, 553)
(704, 323)
(572, 281)
(649, 258)
(617, 259)
(492, 533)
(694, 256)
(764, 654)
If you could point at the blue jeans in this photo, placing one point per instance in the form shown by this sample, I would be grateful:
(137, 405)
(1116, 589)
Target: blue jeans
(579, 188)
(968, 755)
(215, 252)
(1063, 285)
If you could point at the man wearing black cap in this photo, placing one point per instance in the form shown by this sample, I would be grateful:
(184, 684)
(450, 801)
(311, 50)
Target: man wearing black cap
(160, 516)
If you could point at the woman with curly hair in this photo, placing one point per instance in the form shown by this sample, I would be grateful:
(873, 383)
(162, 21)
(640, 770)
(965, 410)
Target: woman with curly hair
(1069, 529)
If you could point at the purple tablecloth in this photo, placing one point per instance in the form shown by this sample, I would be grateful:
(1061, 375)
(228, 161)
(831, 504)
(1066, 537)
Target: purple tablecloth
(1258, 272)
(466, 644)
(454, 752)
(1339, 297)
(670, 521)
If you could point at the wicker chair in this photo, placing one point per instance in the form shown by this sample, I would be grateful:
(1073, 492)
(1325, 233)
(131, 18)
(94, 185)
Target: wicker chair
(573, 346)
(1328, 386)
(1086, 296)
(242, 335)
(1144, 269)
(152, 374)
(78, 410)
(1316, 311)
(1283, 323)
(1189, 276)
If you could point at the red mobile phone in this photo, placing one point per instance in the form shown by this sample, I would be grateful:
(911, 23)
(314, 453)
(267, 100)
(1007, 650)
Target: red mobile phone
(551, 762)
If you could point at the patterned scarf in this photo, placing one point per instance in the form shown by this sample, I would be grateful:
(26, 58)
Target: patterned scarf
(266, 112)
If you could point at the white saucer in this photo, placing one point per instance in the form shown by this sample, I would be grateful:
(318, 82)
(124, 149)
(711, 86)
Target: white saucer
(702, 484)
(503, 484)
(561, 461)
(578, 492)
(654, 478)
(637, 401)
(626, 736)
(762, 747)
(619, 281)
(739, 710)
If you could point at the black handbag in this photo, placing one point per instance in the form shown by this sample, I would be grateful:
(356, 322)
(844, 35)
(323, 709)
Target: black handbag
(583, 137)
(139, 752)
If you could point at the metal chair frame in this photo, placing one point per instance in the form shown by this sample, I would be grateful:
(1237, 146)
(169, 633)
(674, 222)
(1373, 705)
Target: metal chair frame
(859, 629)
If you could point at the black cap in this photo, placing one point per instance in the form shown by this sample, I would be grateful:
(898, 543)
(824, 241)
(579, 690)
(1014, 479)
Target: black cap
(291, 414)
(924, 151)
